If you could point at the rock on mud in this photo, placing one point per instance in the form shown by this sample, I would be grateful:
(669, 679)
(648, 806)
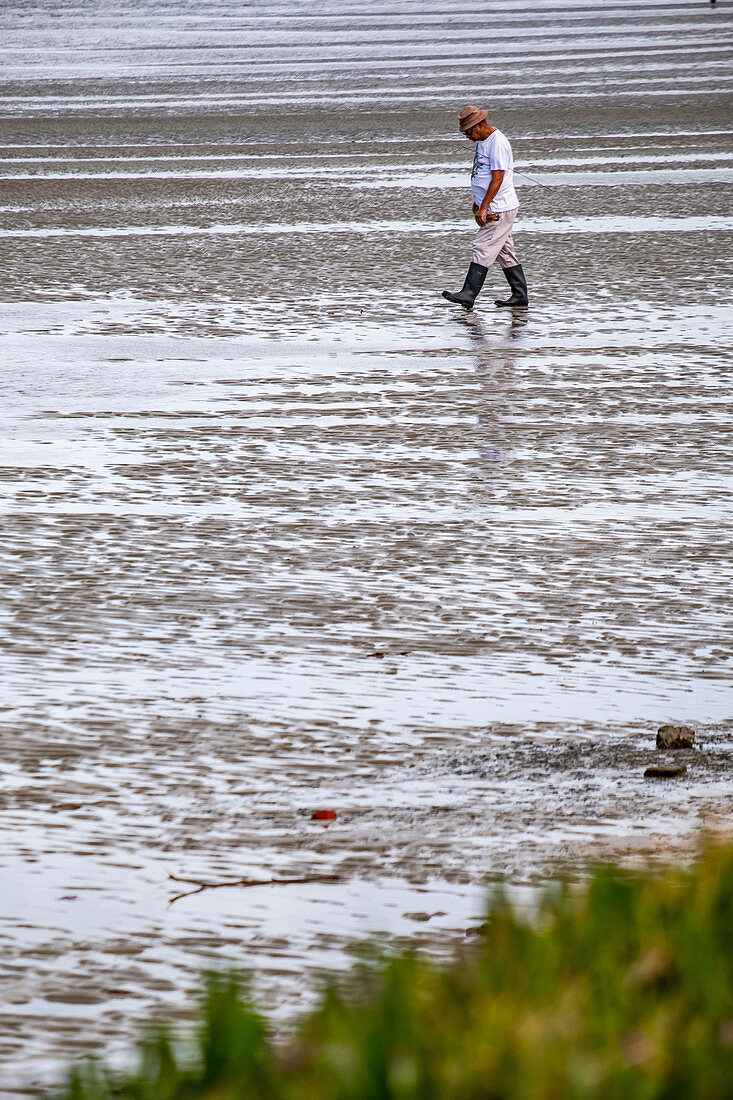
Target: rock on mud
(664, 771)
(675, 737)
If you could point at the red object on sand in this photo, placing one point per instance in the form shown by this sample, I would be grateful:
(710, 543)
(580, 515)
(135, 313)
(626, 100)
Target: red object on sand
(324, 815)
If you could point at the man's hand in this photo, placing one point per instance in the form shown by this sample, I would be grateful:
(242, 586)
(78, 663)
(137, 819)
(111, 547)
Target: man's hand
(478, 217)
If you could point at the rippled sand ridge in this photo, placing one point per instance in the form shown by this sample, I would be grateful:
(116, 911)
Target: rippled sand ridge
(284, 530)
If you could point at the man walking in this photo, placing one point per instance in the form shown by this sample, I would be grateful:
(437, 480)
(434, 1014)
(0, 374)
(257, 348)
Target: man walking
(495, 206)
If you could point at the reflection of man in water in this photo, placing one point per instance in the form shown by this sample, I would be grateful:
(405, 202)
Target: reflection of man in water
(495, 206)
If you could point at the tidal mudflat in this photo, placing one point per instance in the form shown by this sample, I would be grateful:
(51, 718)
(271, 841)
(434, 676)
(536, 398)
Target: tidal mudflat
(283, 530)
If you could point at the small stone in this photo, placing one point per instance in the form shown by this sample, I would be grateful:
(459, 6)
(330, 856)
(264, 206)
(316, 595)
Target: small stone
(675, 737)
(664, 771)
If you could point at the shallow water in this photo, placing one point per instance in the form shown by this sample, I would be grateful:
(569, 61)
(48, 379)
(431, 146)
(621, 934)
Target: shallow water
(284, 530)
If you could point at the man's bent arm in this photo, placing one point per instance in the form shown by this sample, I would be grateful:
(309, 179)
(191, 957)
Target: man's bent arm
(496, 179)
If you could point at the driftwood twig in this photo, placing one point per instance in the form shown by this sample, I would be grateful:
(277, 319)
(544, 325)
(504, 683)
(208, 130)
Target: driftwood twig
(202, 884)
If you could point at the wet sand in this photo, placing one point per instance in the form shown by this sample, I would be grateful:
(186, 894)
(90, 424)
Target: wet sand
(281, 529)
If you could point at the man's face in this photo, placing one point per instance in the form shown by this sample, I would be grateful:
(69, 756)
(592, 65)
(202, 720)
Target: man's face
(478, 132)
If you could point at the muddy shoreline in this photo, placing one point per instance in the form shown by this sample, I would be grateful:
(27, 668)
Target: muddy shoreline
(246, 445)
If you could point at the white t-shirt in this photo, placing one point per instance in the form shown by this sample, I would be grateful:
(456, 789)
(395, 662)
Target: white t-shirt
(494, 154)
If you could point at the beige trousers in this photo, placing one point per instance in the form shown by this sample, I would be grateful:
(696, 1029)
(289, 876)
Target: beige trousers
(495, 242)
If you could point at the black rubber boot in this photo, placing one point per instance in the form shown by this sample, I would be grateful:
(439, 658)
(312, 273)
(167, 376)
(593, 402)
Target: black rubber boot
(518, 286)
(471, 287)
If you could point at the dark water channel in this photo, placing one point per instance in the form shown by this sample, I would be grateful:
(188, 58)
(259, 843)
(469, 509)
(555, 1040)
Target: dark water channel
(281, 529)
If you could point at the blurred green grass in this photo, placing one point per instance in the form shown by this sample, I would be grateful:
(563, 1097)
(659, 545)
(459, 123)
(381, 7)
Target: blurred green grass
(620, 989)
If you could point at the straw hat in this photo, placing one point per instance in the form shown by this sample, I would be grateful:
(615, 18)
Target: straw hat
(469, 117)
